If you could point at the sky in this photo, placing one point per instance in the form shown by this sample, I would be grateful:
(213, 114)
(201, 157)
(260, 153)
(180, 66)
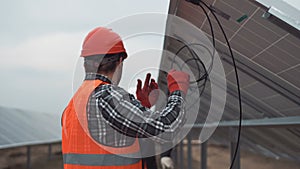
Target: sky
(41, 41)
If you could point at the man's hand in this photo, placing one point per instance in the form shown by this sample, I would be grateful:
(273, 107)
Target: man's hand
(178, 80)
(149, 94)
(167, 163)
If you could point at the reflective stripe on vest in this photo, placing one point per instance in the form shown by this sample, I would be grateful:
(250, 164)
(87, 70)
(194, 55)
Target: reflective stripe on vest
(99, 159)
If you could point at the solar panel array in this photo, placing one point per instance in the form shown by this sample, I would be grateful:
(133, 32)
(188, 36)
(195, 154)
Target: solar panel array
(22, 128)
(268, 63)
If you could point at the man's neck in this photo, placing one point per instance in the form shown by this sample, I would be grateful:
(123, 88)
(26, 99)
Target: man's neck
(93, 76)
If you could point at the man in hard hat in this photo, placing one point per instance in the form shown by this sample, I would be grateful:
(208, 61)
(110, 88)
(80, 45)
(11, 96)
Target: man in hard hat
(102, 122)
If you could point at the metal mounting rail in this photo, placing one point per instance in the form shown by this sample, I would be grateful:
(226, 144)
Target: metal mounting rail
(292, 121)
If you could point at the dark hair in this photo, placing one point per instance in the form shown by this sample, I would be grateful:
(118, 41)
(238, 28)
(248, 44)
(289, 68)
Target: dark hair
(102, 63)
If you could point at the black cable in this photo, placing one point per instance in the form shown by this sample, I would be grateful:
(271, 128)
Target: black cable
(196, 58)
(205, 76)
(192, 52)
(211, 54)
(192, 44)
(237, 81)
(194, 55)
(214, 49)
(212, 35)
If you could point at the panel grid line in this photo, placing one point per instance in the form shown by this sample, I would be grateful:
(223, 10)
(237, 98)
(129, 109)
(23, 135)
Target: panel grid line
(224, 2)
(239, 53)
(237, 31)
(266, 27)
(208, 13)
(292, 67)
(270, 46)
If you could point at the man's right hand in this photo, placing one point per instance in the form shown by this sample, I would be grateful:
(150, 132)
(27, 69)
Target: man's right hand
(178, 80)
(149, 94)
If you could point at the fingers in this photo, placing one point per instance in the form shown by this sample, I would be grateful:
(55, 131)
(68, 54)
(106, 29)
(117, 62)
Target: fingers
(139, 85)
(153, 84)
(148, 76)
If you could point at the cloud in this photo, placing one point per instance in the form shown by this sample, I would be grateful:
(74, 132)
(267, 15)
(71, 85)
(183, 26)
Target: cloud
(52, 52)
(40, 46)
(37, 74)
(22, 20)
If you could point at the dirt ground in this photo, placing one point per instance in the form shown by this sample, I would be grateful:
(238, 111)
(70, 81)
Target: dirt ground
(218, 158)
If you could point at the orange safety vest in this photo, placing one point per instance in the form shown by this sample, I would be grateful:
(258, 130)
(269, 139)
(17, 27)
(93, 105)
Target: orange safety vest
(80, 150)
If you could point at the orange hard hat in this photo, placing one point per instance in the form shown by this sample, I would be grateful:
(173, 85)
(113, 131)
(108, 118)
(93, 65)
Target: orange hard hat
(102, 41)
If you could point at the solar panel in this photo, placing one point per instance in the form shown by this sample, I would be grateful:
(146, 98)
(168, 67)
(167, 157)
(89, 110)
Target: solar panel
(268, 63)
(21, 128)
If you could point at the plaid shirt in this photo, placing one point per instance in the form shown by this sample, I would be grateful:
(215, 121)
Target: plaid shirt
(116, 118)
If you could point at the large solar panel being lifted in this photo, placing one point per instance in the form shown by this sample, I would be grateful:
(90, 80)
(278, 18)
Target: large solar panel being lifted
(21, 128)
(268, 64)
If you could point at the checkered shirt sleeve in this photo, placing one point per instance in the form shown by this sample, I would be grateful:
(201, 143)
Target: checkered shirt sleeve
(126, 115)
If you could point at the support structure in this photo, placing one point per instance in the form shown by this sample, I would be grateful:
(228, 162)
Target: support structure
(49, 151)
(234, 147)
(28, 157)
(181, 154)
(277, 122)
(189, 142)
(204, 155)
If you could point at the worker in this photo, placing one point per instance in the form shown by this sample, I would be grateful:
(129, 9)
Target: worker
(102, 122)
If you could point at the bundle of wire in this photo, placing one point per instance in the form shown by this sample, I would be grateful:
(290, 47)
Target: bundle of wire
(199, 63)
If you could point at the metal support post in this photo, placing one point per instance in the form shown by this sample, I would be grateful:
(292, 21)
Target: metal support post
(189, 151)
(181, 154)
(49, 151)
(28, 157)
(204, 155)
(175, 155)
(233, 131)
